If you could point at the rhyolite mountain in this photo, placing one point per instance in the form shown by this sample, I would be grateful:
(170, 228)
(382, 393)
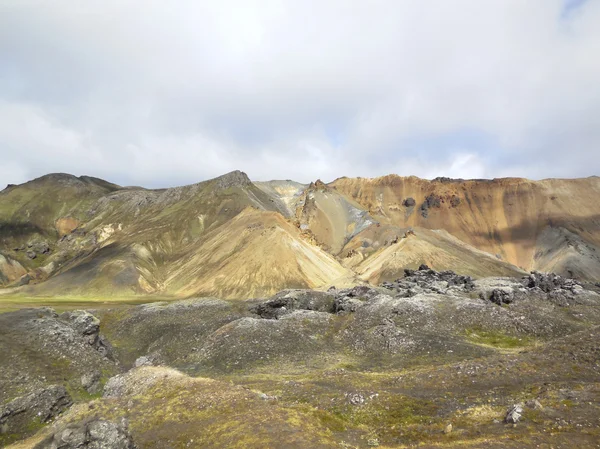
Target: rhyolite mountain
(230, 237)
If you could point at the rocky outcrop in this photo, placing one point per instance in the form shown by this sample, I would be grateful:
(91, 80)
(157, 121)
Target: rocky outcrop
(287, 301)
(233, 179)
(426, 280)
(431, 201)
(39, 348)
(90, 434)
(502, 296)
(88, 326)
(548, 282)
(545, 286)
(32, 410)
(350, 299)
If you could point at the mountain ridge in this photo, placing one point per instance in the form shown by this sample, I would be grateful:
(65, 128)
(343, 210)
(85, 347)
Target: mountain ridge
(60, 233)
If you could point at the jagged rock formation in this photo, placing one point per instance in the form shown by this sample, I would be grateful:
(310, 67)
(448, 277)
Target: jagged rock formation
(426, 280)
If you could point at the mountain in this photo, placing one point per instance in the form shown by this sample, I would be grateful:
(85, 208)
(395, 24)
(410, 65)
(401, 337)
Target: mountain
(549, 225)
(230, 237)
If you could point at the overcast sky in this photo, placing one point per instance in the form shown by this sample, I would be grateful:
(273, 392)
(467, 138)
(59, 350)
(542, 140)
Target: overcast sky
(163, 93)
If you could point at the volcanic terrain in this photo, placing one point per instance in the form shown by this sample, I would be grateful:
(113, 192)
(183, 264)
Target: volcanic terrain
(389, 312)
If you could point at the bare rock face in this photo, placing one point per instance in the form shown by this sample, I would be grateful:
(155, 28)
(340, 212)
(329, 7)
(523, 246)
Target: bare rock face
(66, 225)
(36, 408)
(94, 434)
(233, 179)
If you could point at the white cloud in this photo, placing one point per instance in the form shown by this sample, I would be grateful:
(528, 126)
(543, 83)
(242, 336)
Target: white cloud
(156, 94)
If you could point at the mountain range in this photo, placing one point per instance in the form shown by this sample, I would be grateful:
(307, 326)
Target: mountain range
(232, 238)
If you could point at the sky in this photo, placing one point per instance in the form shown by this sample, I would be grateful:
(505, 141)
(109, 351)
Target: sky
(160, 94)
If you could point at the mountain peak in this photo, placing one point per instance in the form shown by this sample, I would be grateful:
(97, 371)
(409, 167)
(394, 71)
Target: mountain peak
(235, 178)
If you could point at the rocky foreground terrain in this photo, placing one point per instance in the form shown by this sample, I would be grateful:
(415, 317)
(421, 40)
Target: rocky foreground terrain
(433, 359)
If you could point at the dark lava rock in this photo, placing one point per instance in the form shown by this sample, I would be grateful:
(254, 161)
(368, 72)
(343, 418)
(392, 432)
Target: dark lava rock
(332, 301)
(454, 201)
(287, 301)
(431, 201)
(349, 299)
(500, 296)
(446, 180)
(426, 280)
(91, 434)
(38, 407)
(547, 282)
(409, 202)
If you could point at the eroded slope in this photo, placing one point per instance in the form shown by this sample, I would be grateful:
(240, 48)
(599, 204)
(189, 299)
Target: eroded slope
(505, 217)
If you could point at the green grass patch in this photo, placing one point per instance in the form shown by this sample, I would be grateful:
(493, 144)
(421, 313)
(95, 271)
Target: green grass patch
(497, 339)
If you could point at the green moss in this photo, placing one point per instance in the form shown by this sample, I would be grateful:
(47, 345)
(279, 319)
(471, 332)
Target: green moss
(30, 428)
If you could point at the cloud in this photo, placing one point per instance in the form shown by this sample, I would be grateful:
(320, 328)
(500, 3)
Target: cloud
(158, 95)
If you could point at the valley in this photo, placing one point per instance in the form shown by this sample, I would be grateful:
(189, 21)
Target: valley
(388, 312)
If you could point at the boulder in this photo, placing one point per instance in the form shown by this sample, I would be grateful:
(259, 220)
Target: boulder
(502, 296)
(409, 202)
(514, 413)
